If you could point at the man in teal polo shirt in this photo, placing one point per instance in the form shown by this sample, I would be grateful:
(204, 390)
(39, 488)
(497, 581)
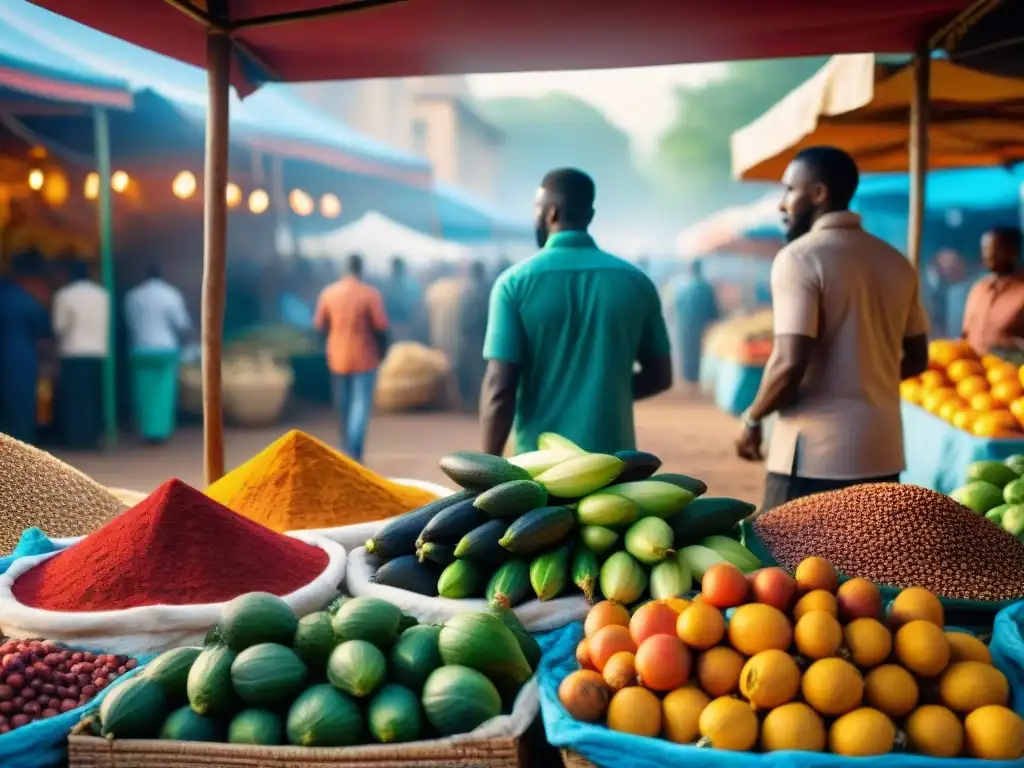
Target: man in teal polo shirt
(566, 331)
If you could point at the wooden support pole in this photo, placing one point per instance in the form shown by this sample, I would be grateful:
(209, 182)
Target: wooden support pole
(918, 152)
(218, 65)
(101, 149)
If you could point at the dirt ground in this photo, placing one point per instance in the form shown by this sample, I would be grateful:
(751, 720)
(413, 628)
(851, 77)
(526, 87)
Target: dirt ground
(688, 433)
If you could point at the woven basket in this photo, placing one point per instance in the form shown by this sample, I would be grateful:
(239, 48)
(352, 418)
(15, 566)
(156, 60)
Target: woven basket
(257, 402)
(571, 760)
(93, 752)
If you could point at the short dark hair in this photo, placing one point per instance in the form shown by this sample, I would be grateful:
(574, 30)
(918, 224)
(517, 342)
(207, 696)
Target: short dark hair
(354, 264)
(1009, 236)
(835, 169)
(573, 191)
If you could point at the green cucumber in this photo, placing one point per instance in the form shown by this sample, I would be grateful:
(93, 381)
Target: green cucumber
(510, 584)
(607, 510)
(268, 675)
(209, 682)
(432, 552)
(368, 618)
(539, 530)
(357, 668)
(183, 724)
(415, 656)
(398, 536)
(171, 670)
(706, 516)
(408, 573)
(134, 709)
(394, 715)
(598, 538)
(314, 639)
(257, 617)
(481, 544)
(462, 579)
(639, 465)
(451, 524)
(687, 483)
(323, 716)
(512, 499)
(481, 471)
(457, 699)
(256, 726)
(585, 571)
(549, 573)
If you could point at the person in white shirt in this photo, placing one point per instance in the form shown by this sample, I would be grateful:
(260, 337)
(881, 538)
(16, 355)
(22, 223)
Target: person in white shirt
(157, 321)
(81, 325)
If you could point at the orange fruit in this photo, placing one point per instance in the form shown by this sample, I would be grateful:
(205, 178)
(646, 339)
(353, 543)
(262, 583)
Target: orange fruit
(1002, 372)
(729, 723)
(833, 686)
(620, 671)
(718, 670)
(891, 689)
(983, 402)
(859, 599)
(608, 641)
(663, 663)
(868, 642)
(934, 731)
(635, 710)
(991, 361)
(585, 695)
(1020, 375)
(945, 352)
(757, 627)
(652, 619)
(862, 733)
(818, 600)
(963, 369)
(1017, 409)
(818, 635)
(950, 408)
(1007, 391)
(816, 573)
(994, 424)
(911, 391)
(964, 419)
(680, 711)
(936, 397)
(922, 648)
(604, 613)
(965, 647)
(967, 685)
(971, 386)
(994, 733)
(770, 679)
(932, 380)
(583, 655)
(916, 603)
(701, 626)
(793, 726)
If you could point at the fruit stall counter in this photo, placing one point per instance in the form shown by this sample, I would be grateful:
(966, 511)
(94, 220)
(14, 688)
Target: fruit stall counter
(732, 384)
(939, 453)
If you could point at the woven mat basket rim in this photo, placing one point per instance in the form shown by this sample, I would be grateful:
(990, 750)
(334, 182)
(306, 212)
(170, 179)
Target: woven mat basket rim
(573, 760)
(95, 752)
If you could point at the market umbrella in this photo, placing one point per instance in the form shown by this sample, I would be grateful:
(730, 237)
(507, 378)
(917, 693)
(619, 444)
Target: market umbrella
(753, 230)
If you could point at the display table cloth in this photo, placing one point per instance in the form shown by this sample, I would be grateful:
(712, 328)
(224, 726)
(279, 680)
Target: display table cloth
(732, 385)
(938, 453)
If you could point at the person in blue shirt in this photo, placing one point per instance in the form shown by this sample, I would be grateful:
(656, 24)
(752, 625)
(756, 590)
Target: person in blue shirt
(695, 308)
(24, 322)
(403, 302)
(473, 311)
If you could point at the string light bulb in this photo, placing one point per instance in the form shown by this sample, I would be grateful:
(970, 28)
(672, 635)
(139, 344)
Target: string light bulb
(119, 181)
(330, 206)
(92, 186)
(184, 185)
(301, 202)
(233, 195)
(259, 201)
(36, 179)
(55, 189)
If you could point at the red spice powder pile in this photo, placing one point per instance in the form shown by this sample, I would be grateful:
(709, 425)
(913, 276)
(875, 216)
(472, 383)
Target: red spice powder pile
(177, 547)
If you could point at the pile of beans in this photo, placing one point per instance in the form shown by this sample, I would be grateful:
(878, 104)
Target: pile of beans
(899, 535)
(40, 679)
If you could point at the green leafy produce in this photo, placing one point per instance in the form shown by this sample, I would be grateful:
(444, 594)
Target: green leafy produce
(708, 517)
(608, 510)
(357, 668)
(483, 642)
(209, 682)
(457, 699)
(323, 716)
(639, 465)
(257, 617)
(549, 573)
(415, 656)
(398, 536)
(512, 499)
(586, 473)
(394, 715)
(170, 669)
(510, 584)
(481, 545)
(368, 618)
(314, 639)
(256, 726)
(527, 643)
(134, 709)
(480, 471)
(622, 578)
(462, 579)
(539, 530)
(184, 724)
(268, 675)
(409, 573)
(585, 570)
(598, 538)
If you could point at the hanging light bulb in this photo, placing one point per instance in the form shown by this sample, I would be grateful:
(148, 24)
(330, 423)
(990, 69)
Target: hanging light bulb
(92, 186)
(119, 181)
(184, 185)
(233, 195)
(36, 179)
(259, 201)
(301, 202)
(330, 206)
(55, 189)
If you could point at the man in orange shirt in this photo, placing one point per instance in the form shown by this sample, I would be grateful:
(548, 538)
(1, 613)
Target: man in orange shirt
(994, 316)
(352, 314)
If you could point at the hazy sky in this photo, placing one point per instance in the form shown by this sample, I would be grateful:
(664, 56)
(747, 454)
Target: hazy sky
(640, 101)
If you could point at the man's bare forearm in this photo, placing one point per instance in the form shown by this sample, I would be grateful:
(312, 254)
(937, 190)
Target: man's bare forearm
(498, 405)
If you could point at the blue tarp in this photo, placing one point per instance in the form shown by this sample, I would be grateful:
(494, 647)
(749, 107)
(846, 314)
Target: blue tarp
(962, 188)
(466, 219)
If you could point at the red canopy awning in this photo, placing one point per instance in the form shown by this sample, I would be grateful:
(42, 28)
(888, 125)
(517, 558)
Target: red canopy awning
(391, 38)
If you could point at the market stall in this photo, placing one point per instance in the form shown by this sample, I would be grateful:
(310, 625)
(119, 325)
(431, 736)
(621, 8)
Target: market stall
(734, 355)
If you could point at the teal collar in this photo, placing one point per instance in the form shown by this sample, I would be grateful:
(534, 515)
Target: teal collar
(570, 239)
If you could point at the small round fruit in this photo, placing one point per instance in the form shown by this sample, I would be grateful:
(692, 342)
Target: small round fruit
(608, 641)
(635, 710)
(620, 671)
(913, 604)
(859, 599)
(892, 690)
(965, 647)
(604, 613)
(770, 679)
(969, 685)
(663, 663)
(793, 726)
(816, 573)
(585, 696)
(757, 627)
(833, 687)
(680, 714)
(718, 671)
(583, 655)
(724, 586)
(862, 733)
(921, 647)
(728, 723)
(868, 642)
(818, 635)
(994, 733)
(817, 600)
(701, 626)
(774, 587)
(934, 731)
(653, 618)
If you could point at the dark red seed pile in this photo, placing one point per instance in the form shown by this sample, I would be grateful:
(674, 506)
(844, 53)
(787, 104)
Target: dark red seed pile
(899, 535)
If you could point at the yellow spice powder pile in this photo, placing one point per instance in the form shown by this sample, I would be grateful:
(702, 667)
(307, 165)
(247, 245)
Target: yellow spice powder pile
(299, 482)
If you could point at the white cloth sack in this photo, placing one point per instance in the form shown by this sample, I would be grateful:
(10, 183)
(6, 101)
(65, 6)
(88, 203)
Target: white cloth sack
(147, 629)
(536, 615)
(353, 536)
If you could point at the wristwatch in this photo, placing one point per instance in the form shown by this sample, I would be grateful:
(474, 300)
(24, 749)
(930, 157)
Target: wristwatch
(749, 421)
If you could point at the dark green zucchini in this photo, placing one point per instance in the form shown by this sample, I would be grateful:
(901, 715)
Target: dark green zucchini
(687, 483)
(481, 544)
(408, 573)
(539, 530)
(398, 536)
(480, 470)
(512, 499)
(510, 584)
(708, 517)
(640, 465)
(442, 554)
(451, 524)
(462, 579)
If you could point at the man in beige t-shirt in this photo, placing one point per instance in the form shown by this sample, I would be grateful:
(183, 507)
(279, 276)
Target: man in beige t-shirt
(848, 328)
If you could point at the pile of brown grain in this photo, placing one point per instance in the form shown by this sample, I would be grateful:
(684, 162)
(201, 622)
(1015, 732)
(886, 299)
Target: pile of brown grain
(899, 535)
(39, 490)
